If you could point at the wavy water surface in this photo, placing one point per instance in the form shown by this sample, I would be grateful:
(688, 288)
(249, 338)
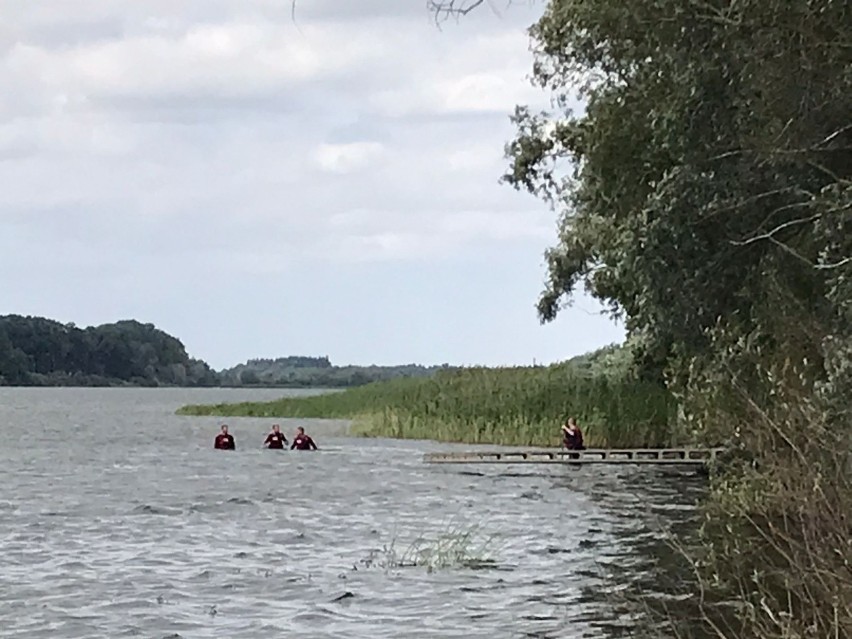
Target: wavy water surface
(118, 519)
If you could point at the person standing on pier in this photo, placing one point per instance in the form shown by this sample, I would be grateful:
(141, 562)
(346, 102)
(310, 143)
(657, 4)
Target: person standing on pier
(224, 440)
(572, 436)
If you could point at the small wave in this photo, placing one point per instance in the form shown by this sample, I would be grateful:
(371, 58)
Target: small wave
(319, 615)
(497, 585)
(241, 500)
(343, 597)
(532, 494)
(553, 550)
(149, 509)
(200, 508)
(539, 618)
(517, 475)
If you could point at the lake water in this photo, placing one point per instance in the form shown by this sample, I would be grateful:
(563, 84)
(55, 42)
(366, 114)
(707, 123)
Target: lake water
(118, 519)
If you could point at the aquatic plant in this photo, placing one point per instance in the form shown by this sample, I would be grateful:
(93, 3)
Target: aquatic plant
(512, 406)
(453, 548)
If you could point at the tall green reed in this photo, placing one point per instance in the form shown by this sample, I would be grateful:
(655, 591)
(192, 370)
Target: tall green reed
(512, 406)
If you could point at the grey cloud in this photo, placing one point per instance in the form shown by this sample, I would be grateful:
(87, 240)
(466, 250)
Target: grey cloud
(362, 10)
(207, 106)
(250, 166)
(185, 161)
(59, 35)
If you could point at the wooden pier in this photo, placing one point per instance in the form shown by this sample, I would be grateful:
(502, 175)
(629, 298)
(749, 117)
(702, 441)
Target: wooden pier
(660, 456)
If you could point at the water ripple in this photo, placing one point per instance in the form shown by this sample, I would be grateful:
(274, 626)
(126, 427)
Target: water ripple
(137, 535)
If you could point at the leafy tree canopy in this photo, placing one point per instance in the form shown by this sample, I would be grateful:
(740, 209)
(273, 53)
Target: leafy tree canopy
(707, 179)
(39, 351)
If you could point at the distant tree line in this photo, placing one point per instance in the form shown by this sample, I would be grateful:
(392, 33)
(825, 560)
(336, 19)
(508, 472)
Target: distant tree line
(306, 372)
(35, 351)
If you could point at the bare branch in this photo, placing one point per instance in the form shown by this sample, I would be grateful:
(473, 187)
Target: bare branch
(828, 267)
(757, 198)
(769, 235)
(839, 131)
(444, 9)
(802, 258)
(829, 172)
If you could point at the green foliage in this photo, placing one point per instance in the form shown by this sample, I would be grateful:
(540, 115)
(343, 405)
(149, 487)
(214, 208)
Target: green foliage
(517, 406)
(711, 160)
(42, 352)
(709, 203)
(776, 537)
(316, 372)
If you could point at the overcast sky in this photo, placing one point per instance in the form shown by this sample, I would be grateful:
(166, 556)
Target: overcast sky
(263, 188)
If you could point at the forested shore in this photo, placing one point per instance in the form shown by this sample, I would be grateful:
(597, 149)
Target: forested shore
(36, 351)
(699, 156)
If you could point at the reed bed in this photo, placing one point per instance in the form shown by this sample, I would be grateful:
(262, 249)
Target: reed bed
(509, 406)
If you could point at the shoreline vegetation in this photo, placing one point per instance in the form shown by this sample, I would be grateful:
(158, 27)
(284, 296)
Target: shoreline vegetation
(504, 406)
(35, 351)
(704, 195)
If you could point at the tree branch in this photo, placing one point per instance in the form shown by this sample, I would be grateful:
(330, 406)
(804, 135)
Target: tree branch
(828, 267)
(770, 235)
(444, 9)
(839, 131)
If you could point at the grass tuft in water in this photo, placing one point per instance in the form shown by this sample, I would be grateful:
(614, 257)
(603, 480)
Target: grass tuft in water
(453, 549)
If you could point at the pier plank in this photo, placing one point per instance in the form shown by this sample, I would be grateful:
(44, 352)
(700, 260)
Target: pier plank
(661, 456)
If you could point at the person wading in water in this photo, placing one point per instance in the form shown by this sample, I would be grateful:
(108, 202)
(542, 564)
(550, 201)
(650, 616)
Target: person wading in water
(224, 441)
(276, 438)
(302, 441)
(572, 436)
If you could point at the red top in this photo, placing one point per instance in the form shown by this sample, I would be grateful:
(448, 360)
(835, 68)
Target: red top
(275, 440)
(303, 442)
(224, 442)
(573, 438)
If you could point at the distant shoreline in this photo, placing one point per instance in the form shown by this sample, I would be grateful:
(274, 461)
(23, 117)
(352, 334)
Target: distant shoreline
(40, 352)
(122, 384)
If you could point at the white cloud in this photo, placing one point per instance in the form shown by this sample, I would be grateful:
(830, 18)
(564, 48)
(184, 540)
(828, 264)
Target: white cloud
(477, 158)
(368, 133)
(346, 158)
(209, 163)
(383, 234)
(213, 60)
